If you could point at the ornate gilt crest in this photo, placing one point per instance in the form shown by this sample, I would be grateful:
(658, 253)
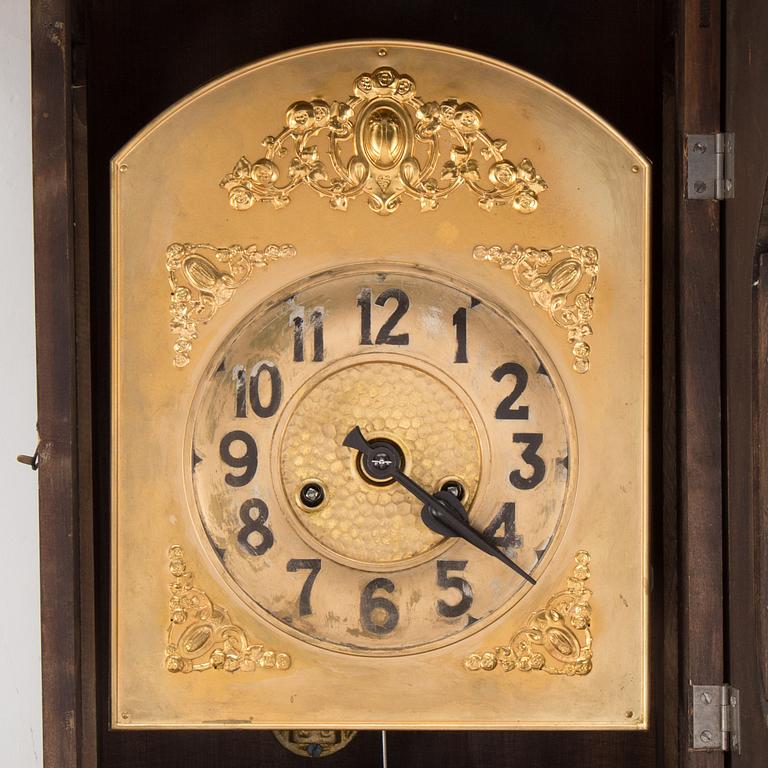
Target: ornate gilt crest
(200, 634)
(203, 278)
(561, 281)
(557, 639)
(385, 143)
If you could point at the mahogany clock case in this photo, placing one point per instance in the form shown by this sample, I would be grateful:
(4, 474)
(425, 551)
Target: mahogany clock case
(102, 70)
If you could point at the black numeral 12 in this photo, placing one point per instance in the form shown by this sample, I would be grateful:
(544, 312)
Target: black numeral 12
(385, 335)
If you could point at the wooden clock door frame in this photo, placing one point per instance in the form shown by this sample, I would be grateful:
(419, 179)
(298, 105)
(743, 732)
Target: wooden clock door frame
(700, 357)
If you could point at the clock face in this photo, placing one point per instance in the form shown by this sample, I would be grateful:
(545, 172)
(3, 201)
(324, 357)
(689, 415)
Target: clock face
(455, 386)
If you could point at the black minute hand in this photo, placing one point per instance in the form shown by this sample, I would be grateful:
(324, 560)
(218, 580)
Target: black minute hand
(444, 508)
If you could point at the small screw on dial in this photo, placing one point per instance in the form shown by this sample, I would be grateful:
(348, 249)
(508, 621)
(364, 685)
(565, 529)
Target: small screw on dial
(312, 495)
(454, 487)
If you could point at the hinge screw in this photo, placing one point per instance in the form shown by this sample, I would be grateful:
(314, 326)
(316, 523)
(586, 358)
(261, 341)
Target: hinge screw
(699, 147)
(705, 698)
(706, 736)
(700, 186)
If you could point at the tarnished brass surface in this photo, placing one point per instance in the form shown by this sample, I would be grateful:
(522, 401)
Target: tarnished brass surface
(417, 139)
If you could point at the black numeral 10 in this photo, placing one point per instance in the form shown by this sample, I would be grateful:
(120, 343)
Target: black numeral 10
(263, 389)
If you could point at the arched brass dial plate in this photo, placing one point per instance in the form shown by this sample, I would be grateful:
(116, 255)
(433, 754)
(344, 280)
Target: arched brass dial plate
(452, 256)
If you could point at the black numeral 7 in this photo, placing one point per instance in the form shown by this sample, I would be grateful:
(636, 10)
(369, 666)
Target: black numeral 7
(313, 566)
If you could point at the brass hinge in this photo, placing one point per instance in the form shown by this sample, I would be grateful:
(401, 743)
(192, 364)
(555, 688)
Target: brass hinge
(709, 162)
(715, 718)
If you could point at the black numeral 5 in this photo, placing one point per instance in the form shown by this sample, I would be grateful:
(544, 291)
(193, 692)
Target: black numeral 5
(456, 582)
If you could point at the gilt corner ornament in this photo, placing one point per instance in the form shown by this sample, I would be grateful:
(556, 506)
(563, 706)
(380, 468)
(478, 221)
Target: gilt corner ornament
(203, 278)
(556, 639)
(200, 634)
(384, 143)
(561, 281)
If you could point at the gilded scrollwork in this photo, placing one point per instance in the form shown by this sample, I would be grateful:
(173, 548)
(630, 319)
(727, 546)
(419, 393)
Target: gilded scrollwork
(203, 278)
(561, 281)
(556, 639)
(200, 634)
(386, 143)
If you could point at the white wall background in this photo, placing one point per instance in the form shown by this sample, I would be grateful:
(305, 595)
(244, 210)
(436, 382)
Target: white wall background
(20, 703)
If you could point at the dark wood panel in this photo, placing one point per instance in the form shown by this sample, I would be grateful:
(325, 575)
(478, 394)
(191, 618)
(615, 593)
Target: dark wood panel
(745, 277)
(699, 377)
(56, 395)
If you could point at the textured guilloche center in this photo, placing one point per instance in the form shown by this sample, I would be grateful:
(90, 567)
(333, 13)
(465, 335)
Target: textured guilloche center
(397, 403)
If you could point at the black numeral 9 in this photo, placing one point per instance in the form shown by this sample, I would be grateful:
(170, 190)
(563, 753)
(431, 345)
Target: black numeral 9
(247, 461)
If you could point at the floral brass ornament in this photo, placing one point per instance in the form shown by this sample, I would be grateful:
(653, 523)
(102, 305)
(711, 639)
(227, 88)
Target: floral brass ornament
(203, 278)
(314, 743)
(559, 280)
(201, 635)
(556, 639)
(386, 143)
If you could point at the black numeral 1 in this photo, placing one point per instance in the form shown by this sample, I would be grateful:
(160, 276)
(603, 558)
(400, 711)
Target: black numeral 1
(318, 345)
(313, 566)
(460, 323)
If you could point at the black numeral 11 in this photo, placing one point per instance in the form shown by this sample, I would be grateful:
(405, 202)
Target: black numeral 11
(318, 346)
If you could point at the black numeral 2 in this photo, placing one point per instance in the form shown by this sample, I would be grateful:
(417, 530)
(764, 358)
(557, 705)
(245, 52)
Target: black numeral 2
(313, 566)
(385, 335)
(255, 524)
(504, 409)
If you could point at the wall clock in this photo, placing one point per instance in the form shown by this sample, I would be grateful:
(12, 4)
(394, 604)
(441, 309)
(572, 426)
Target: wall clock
(380, 384)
